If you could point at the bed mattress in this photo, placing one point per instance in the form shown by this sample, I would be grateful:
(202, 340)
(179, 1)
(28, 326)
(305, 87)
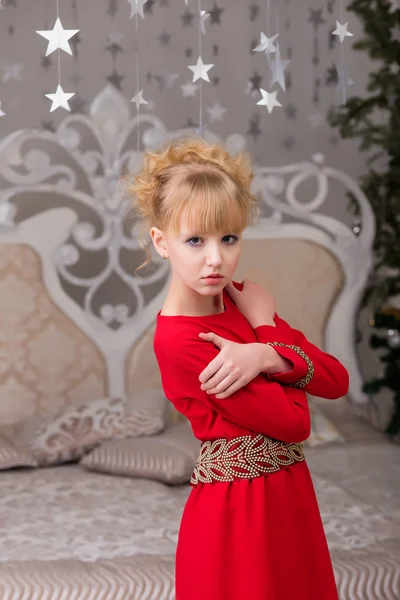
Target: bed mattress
(70, 534)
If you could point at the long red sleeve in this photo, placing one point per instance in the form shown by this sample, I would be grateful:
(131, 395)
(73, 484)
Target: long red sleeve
(328, 378)
(261, 406)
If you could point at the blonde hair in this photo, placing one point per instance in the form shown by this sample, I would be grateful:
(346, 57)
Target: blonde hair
(202, 180)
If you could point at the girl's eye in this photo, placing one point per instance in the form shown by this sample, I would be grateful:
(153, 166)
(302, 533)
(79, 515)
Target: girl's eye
(234, 237)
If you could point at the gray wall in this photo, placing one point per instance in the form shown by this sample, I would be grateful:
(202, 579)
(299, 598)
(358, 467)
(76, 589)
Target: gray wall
(227, 44)
(284, 136)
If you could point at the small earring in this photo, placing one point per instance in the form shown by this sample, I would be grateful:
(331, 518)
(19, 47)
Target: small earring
(165, 256)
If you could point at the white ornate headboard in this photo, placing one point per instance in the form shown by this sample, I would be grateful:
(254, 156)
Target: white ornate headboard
(59, 196)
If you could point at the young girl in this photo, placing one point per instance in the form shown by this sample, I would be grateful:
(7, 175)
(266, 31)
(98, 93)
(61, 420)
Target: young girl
(251, 528)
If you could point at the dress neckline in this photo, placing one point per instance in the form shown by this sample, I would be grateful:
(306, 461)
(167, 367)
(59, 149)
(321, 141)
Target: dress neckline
(227, 304)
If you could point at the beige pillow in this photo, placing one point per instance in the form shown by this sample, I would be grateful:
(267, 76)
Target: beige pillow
(65, 435)
(12, 454)
(169, 457)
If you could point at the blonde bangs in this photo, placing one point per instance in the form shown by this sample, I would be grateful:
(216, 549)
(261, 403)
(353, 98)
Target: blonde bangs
(208, 202)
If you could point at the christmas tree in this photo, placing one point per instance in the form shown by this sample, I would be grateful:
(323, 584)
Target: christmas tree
(375, 121)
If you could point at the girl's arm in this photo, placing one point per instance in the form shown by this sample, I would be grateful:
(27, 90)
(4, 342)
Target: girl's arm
(262, 406)
(314, 371)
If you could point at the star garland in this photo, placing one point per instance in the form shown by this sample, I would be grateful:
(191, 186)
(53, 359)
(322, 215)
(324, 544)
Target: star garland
(269, 45)
(58, 39)
(343, 78)
(316, 118)
(12, 71)
(78, 104)
(137, 9)
(200, 69)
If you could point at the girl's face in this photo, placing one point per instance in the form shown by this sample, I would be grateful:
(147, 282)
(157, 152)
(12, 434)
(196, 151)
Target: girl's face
(193, 257)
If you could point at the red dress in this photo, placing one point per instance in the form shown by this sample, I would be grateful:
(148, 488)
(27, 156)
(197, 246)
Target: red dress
(258, 539)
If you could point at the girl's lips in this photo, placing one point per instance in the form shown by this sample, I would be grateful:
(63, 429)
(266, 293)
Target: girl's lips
(211, 280)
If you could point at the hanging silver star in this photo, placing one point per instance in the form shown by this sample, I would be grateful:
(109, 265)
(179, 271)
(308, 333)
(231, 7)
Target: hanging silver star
(203, 18)
(189, 89)
(216, 112)
(266, 44)
(138, 99)
(12, 72)
(59, 99)
(278, 67)
(58, 38)
(341, 31)
(2, 113)
(137, 7)
(200, 70)
(269, 100)
(344, 81)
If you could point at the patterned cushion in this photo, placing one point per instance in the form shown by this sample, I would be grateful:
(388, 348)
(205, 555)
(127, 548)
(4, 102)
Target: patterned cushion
(169, 457)
(65, 435)
(12, 454)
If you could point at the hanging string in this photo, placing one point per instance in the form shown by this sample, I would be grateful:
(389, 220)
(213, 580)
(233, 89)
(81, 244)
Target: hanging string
(200, 81)
(58, 50)
(268, 32)
(137, 80)
(343, 75)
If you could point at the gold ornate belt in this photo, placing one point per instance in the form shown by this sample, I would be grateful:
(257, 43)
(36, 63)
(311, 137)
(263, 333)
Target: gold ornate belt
(243, 457)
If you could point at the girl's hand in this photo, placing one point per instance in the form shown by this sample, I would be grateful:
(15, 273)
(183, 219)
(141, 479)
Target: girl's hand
(254, 302)
(233, 367)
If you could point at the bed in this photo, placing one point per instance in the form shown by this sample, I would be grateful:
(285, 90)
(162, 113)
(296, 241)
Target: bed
(75, 325)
